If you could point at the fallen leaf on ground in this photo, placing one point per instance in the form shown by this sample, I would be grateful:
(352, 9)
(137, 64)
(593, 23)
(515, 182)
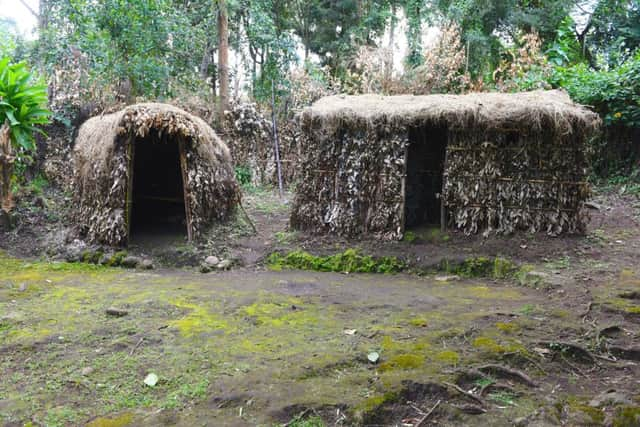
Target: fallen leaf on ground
(151, 380)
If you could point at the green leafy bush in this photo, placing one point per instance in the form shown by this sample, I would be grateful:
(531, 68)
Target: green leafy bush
(23, 102)
(615, 93)
(243, 175)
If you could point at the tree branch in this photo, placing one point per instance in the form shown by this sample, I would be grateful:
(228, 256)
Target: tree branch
(33, 12)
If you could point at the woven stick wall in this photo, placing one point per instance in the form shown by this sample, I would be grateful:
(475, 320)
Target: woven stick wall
(514, 161)
(249, 135)
(505, 181)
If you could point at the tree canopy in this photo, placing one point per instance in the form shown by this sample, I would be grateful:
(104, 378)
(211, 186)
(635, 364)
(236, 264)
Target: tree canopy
(121, 50)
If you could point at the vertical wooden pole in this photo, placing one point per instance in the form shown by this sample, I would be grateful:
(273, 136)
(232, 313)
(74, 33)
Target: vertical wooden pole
(223, 59)
(403, 186)
(185, 188)
(129, 197)
(276, 142)
(6, 168)
(443, 207)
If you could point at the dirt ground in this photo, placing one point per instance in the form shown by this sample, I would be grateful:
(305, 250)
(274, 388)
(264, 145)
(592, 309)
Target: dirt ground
(557, 343)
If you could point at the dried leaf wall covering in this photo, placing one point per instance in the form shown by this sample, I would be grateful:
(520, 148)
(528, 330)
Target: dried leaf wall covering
(507, 180)
(514, 161)
(249, 135)
(102, 161)
(351, 180)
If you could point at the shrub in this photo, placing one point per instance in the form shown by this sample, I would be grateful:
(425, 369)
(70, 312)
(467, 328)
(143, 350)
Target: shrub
(23, 102)
(243, 175)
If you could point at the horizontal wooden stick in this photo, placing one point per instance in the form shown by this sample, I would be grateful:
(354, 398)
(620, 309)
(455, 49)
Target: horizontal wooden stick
(513, 208)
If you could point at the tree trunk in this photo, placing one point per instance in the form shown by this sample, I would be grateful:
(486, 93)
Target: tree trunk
(223, 59)
(43, 18)
(6, 169)
(392, 30)
(206, 61)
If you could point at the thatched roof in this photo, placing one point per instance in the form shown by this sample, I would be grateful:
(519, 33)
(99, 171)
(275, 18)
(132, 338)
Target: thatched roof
(518, 111)
(97, 135)
(101, 164)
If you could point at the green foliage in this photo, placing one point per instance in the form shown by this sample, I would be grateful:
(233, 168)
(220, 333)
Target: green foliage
(37, 185)
(486, 24)
(138, 48)
(23, 101)
(285, 237)
(628, 183)
(8, 37)
(409, 237)
(615, 34)
(503, 398)
(415, 16)
(243, 175)
(335, 29)
(350, 261)
(271, 44)
(300, 421)
(614, 93)
(626, 416)
(565, 49)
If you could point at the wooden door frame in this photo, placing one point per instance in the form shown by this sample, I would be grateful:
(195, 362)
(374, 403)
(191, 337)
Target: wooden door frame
(185, 189)
(131, 150)
(131, 142)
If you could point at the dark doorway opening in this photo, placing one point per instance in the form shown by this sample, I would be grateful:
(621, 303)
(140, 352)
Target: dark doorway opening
(157, 208)
(425, 167)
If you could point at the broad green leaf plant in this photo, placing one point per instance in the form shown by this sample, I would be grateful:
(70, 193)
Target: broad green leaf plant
(23, 101)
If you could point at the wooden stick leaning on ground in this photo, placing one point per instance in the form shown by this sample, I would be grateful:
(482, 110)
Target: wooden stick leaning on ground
(6, 169)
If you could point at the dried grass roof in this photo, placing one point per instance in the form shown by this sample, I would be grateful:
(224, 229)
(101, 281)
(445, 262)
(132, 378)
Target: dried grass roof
(535, 110)
(103, 169)
(97, 135)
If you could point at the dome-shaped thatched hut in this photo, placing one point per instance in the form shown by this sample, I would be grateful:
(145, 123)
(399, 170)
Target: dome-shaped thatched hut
(150, 165)
(479, 162)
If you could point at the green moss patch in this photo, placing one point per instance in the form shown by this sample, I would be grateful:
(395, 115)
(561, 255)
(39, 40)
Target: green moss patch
(449, 357)
(199, 320)
(403, 361)
(508, 327)
(627, 416)
(119, 421)
(349, 261)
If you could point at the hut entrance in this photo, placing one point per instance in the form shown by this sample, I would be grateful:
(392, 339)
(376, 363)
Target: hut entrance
(157, 190)
(425, 167)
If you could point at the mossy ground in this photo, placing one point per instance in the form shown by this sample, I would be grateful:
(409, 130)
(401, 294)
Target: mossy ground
(238, 347)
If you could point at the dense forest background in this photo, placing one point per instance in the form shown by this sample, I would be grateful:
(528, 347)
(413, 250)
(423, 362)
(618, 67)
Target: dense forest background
(284, 54)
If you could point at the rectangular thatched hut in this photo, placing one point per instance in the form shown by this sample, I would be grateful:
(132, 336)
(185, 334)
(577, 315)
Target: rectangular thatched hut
(480, 162)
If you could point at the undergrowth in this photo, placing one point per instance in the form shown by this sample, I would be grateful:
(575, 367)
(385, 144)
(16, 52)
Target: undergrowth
(13, 265)
(349, 261)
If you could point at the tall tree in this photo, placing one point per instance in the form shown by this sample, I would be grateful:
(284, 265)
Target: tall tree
(223, 58)
(485, 25)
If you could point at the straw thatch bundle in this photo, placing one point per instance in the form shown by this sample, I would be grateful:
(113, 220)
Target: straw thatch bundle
(103, 169)
(513, 161)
